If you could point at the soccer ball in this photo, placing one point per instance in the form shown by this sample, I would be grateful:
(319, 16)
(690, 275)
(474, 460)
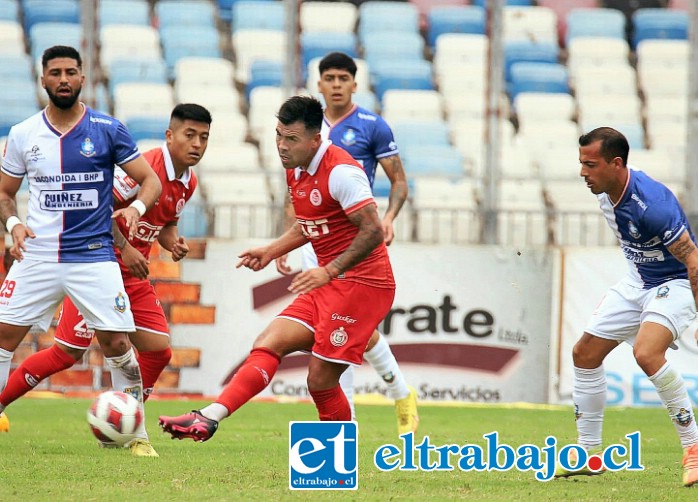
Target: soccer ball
(114, 417)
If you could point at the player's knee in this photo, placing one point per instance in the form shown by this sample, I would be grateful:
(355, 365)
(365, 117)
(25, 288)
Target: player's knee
(583, 357)
(649, 361)
(114, 345)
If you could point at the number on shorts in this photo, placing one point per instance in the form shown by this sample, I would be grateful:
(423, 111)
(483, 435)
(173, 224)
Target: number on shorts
(8, 287)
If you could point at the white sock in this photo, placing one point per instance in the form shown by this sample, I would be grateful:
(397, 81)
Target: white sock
(346, 382)
(589, 397)
(126, 377)
(5, 362)
(383, 361)
(215, 411)
(672, 391)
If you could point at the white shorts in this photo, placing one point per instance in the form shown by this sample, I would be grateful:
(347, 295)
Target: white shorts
(308, 257)
(625, 307)
(33, 290)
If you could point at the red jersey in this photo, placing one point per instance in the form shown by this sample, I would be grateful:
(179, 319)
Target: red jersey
(175, 193)
(333, 186)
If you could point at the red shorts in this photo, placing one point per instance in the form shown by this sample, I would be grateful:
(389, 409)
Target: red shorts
(147, 315)
(343, 315)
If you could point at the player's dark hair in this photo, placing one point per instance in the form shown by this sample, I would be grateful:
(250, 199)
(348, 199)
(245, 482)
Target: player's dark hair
(338, 61)
(60, 51)
(305, 109)
(613, 143)
(191, 111)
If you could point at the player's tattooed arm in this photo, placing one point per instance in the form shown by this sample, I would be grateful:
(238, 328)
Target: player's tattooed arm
(685, 250)
(369, 237)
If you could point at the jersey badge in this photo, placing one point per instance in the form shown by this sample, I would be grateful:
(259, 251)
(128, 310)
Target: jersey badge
(180, 207)
(338, 337)
(315, 197)
(87, 148)
(634, 232)
(349, 137)
(120, 303)
(35, 154)
(663, 292)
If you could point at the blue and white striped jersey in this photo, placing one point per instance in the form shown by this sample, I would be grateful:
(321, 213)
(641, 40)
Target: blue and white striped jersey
(646, 220)
(70, 184)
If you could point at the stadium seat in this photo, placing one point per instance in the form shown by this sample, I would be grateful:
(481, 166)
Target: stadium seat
(420, 133)
(250, 45)
(124, 12)
(16, 67)
(446, 210)
(454, 19)
(432, 160)
(586, 54)
(184, 13)
(528, 51)
(521, 219)
(659, 23)
(559, 161)
(11, 38)
(456, 50)
(658, 164)
(328, 16)
(538, 77)
(148, 127)
(120, 41)
(225, 9)
(401, 75)
(536, 24)
(14, 113)
(9, 10)
(612, 108)
(50, 11)
(193, 222)
(45, 35)
(204, 72)
(542, 106)
(666, 108)
(389, 16)
(201, 41)
(264, 102)
(231, 157)
(258, 15)
(264, 73)
(315, 44)
(562, 8)
(230, 129)
(219, 99)
(420, 105)
(142, 100)
(595, 23)
(124, 70)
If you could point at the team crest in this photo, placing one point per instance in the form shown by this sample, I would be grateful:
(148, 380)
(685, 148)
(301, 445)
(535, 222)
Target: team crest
(315, 197)
(339, 337)
(180, 207)
(663, 292)
(632, 229)
(684, 417)
(87, 148)
(120, 303)
(349, 137)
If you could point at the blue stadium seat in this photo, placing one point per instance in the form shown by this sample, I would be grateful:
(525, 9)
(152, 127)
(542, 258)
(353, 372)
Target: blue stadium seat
(124, 12)
(264, 73)
(50, 11)
(258, 15)
(366, 99)
(538, 77)
(147, 127)
(375, 16)
(404, 46)
(595, 23)
(20, 93)
(184, 13)
(659, 23)
(16, 67)
(530, 52)
(136, 70)
(45, 35)
(435, 133)
(14, 113)
(193, 222)
(432, 161)
(319, 44)
(381, 186)
(9, 10)
(454, 19)
(396, 74)
(225, 9)
(200, 41)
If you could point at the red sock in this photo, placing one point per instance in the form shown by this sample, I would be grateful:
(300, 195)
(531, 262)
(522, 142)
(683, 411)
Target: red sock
(251, 379)
(33, 370)
(332, 404)
(152, 363)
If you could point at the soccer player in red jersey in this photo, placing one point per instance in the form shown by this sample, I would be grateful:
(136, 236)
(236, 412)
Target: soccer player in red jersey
(340, 302)
(186, 142)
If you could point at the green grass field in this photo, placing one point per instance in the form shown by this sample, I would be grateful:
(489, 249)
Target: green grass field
(50, 455)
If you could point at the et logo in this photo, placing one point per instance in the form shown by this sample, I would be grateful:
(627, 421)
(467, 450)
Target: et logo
(323, 455)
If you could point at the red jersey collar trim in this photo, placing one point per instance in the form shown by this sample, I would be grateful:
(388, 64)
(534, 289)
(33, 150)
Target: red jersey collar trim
(169, 168)
(315, 163)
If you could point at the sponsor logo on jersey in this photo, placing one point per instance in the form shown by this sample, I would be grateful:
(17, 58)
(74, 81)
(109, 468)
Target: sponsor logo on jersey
(98, 120)
(349, 137)
(366, 116)
(339, 337)
(68, 200)
(345, 318)
(87, 148)
(34, 154)
(120, 303)
(68, 178)
(315, 197)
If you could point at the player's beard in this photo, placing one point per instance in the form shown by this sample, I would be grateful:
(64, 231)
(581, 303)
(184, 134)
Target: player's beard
(64, 102)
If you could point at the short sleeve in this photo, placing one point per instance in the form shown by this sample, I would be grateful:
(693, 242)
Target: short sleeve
(12, 161)
(125, 187)
(349, 186)
(125, 149)
(383, 141)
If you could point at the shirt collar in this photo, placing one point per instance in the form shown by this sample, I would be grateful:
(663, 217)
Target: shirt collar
(169, 168)
(315, 163)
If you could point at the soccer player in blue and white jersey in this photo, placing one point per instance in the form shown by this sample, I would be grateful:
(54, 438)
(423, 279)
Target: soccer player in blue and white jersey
(650, 307)
(369, 140)
(68, 153)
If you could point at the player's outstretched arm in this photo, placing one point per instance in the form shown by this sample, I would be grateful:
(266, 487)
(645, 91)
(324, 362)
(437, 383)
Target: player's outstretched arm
(148, 193)
(171, 241)
(9, 186)
(258, 258)
(398, 193)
